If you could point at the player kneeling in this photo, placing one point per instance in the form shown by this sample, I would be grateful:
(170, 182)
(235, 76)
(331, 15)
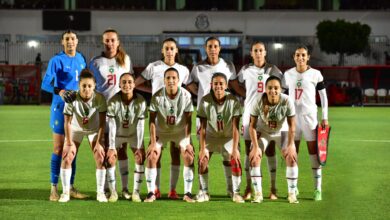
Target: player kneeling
(126, 113)
(272, 109)
(219, 114)
(170, 120)
(86, 116)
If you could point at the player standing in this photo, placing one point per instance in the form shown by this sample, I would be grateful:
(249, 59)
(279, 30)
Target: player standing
(155, 73)
(254, 76)
(303, 82)
(61, 78)
(199, 84)
(219, 113)
(107, 69)
(126, 113)
(170, 120)
(272, 109)
(86, 116)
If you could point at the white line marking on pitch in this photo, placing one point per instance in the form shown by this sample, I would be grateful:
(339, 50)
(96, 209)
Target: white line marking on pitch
(379, 141)
(10, 141)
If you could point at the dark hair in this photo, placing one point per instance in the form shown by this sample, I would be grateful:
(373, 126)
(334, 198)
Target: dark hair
(272, 77)
(69, 31)
(127, 73)
(177, 56)
(301, 46)
(257, 42)
(121, 53)
(212, 38)
(170, 39)
(218, 74)
(86, 74)
(172, 69)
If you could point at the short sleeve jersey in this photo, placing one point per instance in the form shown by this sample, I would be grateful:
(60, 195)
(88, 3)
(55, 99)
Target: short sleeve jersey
(126, 116)
(170, 112)
(272, 117)
(203, 72)
(254, 79)
(107, 73)
(219, 117)
(302, 89)
(155, 72)
(63, 72)
(86, 114)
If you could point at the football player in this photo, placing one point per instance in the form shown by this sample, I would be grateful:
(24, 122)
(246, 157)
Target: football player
(254, 76)
(199, 83)
(126, 113)
(61, 79)
(303, 82)
(170, 120)
(155, 73)
(271, 110)
(219, 113)
(107, 69)
(86, 116)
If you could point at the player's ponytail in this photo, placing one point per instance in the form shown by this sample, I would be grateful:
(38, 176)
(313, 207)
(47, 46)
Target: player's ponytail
(120, 56)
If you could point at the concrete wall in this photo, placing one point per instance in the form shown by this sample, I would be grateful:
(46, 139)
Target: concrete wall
(261, 23)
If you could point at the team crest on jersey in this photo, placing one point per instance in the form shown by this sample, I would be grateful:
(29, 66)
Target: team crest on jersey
(111, 69)
(85, 118)
(219, 122)
(260, 77)
(299, 83)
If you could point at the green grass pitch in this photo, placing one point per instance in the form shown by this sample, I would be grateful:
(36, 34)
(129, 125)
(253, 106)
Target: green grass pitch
(355, 179)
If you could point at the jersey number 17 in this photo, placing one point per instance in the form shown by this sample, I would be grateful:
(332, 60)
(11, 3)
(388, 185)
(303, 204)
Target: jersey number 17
(298, 93)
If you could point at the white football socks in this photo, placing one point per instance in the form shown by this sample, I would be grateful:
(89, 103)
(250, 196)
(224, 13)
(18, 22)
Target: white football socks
(151, 174)
(292, 178)
(124, 171)
(138, 177)
(317, 171)
(65, 179)
(188, 175)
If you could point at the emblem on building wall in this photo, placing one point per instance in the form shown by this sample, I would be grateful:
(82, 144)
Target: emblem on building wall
(202, 22)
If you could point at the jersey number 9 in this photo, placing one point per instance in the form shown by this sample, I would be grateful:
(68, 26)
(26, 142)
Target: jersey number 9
(260, 87)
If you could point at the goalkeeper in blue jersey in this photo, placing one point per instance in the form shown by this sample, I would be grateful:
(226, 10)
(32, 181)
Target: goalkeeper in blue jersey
(61, 79)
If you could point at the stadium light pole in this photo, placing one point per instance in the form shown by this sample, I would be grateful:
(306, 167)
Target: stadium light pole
(278, 47)
(32, 44)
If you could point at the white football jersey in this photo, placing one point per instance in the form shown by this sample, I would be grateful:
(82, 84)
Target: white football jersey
(254, 79)
(219, 117)
(107, 73)
(155, 72)
(86, 114)
(202, 73)
(126, 116)
(170, 112)
(302, 89)
(272, 117)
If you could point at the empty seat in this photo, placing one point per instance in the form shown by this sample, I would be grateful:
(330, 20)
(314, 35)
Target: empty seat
(369, 95)
(382, 95)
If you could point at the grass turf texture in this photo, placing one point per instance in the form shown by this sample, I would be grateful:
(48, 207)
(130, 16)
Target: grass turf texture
(355, 180)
